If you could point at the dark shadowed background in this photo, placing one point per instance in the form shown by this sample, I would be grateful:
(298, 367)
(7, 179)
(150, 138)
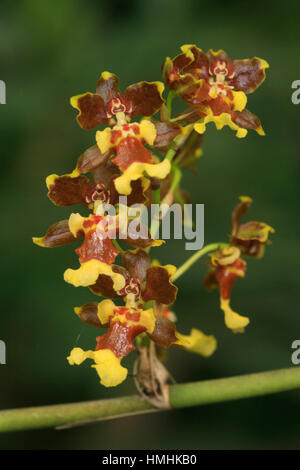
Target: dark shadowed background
(51, 50)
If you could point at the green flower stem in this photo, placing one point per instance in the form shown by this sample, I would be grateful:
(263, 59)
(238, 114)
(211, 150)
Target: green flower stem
(181, 396)
(170, 97)
(177, 174)
(156, 196)
(189, 262)
(170, 154)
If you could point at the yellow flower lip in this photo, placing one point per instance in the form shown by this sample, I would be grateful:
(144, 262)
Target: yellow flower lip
(198, 342)
(224, 119)
(107, 365)
(136, 171)
(89, 272)
(233, 320)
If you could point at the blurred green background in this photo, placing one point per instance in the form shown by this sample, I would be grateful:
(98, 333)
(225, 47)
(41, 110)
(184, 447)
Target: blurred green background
(51, 50)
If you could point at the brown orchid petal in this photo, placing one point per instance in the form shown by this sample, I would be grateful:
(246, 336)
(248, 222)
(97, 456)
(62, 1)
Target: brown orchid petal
(249, 74)
(252, 248)
(57, 235)
(107, 86)
(239, 211)
(251, 238)
(218, 55)
(131, 150)
(91, 109)
(188, 86)
(97, 246)
(192, 61)
(254, 231)
(136, 237)
(165, 133)
(200, 65)
(187, 74)
(88, 313)
(136, 263)
(159, 286)
(219, 106)
(91, 159)
(66, 190)
(164, 333)
(190, 115)
(183, 60)
(145, 98)
(248, 120)
(104, 284)
(104, 174)
(137, 195)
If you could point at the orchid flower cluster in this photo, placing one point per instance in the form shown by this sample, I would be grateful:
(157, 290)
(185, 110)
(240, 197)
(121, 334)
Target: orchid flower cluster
(142, 157)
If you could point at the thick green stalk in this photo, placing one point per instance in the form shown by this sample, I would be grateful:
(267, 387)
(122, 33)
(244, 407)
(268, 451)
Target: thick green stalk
(234, 388)
(181, 396)
(71, 413)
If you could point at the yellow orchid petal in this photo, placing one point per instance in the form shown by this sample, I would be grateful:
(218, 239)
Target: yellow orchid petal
(239, 100)
(39, 241)
(75, 223)
(233, 320)
(78, 356)
(103, 140)
(157, 242)
(186, 49)
(109, 368)
(148, 320)
(136, 170)
(148, 131)
(105, 310)
(198, 342)
(224, 119)
(88, 273)
(170, 268)
(107, 365)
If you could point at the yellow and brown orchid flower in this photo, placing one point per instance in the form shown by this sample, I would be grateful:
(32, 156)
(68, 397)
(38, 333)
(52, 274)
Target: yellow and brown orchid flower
(124, 139)
(76, 188)
(97, 253)
(226, 265)
(102, 107)
(124, 324)
(215, 87)
(127, 142)
(251, 237)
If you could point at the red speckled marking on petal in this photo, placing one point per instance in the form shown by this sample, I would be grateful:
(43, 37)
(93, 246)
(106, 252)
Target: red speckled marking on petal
(115, 136)
(131, 150)
(96, 246)
(119, 338)
(93, 220)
